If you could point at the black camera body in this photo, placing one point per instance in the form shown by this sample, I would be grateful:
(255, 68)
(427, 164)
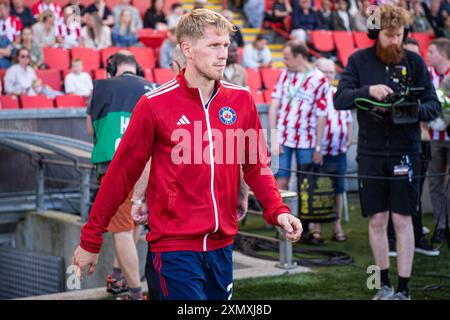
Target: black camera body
(405, 102)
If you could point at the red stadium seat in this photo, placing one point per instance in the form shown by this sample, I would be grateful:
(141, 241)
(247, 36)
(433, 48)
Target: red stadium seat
(267, 96)
(36, 102)
(151, 38)
(148, 74)
(111, 3)
(105, 53)
(270, 77)
(70, 100)
(56, 58)
(253, 79)
(424, 40)
(9, 102)
(99, 74)
(322, 40)
(344, 53)
(258, 96)
(90, 57)
(163, 75)
(343, 39)
(51, 77)
(362, 41)
(144, 56)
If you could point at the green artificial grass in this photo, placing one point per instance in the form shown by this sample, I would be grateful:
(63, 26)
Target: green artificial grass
(345, 282)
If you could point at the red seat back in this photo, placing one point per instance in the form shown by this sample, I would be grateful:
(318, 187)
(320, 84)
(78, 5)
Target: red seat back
(253, 79)
(70, 100)
(163, 75)
(343, 39)
(144, 56)
(362, 41)
(90, 58)
(9, 102)
(51, 77)
(322, 40)
(270, 77)
(36, 102)
(99, 74)
(105, 53)
(56, 58)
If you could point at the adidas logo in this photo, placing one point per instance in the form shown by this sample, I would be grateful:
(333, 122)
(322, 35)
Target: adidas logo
(183, 120)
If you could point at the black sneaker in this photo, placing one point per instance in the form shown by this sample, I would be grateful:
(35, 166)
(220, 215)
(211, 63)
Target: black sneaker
(392, 248)
(438, 238)
(423, 247)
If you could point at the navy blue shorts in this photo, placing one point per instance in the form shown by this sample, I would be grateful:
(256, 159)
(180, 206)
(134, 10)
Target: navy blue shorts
(336, 165)
(190, 275)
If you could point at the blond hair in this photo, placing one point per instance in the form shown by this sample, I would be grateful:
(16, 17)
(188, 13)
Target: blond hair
(192, 25)
(393, 17)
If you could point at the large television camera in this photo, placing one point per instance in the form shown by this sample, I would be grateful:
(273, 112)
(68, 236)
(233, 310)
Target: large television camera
(404, 104)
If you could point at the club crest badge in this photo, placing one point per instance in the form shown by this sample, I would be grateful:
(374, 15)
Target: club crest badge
(227, 115)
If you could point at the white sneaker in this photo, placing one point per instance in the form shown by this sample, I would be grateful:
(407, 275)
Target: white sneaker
(385, 293)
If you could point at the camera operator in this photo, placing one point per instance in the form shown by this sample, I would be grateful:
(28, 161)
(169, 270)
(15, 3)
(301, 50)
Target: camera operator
(108, 115)
(389, 137)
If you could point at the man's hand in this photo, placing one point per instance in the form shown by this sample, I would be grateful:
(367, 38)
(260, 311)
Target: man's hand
(139, 213)
(380, 91)
(318, 158)
(291, 225)
(83, 260)
(277, 149)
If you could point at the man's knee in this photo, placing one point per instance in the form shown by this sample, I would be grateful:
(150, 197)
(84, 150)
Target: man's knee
(378, 222)
(123, 235)
(402, 223)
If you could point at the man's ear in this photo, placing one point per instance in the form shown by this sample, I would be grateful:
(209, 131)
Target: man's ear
(186, 48)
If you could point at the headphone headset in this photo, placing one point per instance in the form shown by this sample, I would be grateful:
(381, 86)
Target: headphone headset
(373, 33)
(114, 59)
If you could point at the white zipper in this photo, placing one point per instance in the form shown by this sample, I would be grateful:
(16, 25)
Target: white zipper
(211, 160)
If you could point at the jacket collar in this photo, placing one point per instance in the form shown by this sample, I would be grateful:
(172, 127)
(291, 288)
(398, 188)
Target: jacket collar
(193, 92)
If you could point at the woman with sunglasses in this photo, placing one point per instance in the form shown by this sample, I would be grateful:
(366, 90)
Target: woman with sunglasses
(20, 76)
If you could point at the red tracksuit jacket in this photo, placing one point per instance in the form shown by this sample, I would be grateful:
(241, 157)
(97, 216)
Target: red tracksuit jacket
(192, 200)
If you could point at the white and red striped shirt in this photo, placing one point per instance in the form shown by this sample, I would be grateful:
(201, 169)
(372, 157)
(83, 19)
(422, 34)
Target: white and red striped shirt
(302, 99)
(334, 140)
(11, 27)
(437, 78)
(40, 7)
(70, 34)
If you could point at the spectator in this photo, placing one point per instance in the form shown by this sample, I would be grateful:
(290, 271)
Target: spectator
(77, 81)
(47, 5)
(154, 17)
(178, 61)
(124, 33)
(38, 88)
(80, 8)
(26, 41)
(10, 26)
(19, 77)
(236, 37)
(325, 15)
(341, 17)
(103, 11)
(434, 16)
(234, 73)
(254, 11)
(70, 30)
(337, 138)
(303, 16)
(45, 31)
(6, 52)
(135, 15)
(94, 34)
(24, 13)
(257, 54)
(279, 10)
(175, 16)
(420, 22)
(446, 29)
(360, 18)
(166, 51)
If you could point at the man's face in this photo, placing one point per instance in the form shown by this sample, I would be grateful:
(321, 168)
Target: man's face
(4, 10)
(389, 46)
(77, 67)
(232, 54)
(209, 53)
(305, 4)
(329, 71)
(260, 44)
(435, 57)
(290, 61)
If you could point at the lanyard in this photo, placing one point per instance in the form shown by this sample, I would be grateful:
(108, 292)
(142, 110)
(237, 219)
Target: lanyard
(292, 91)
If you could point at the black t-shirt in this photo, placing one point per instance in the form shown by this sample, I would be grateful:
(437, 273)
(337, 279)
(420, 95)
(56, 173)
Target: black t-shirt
(26, 16)
(93, 8)
(152, 18)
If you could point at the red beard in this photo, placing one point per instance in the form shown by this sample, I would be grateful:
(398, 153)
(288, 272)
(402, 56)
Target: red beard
(391, 55)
